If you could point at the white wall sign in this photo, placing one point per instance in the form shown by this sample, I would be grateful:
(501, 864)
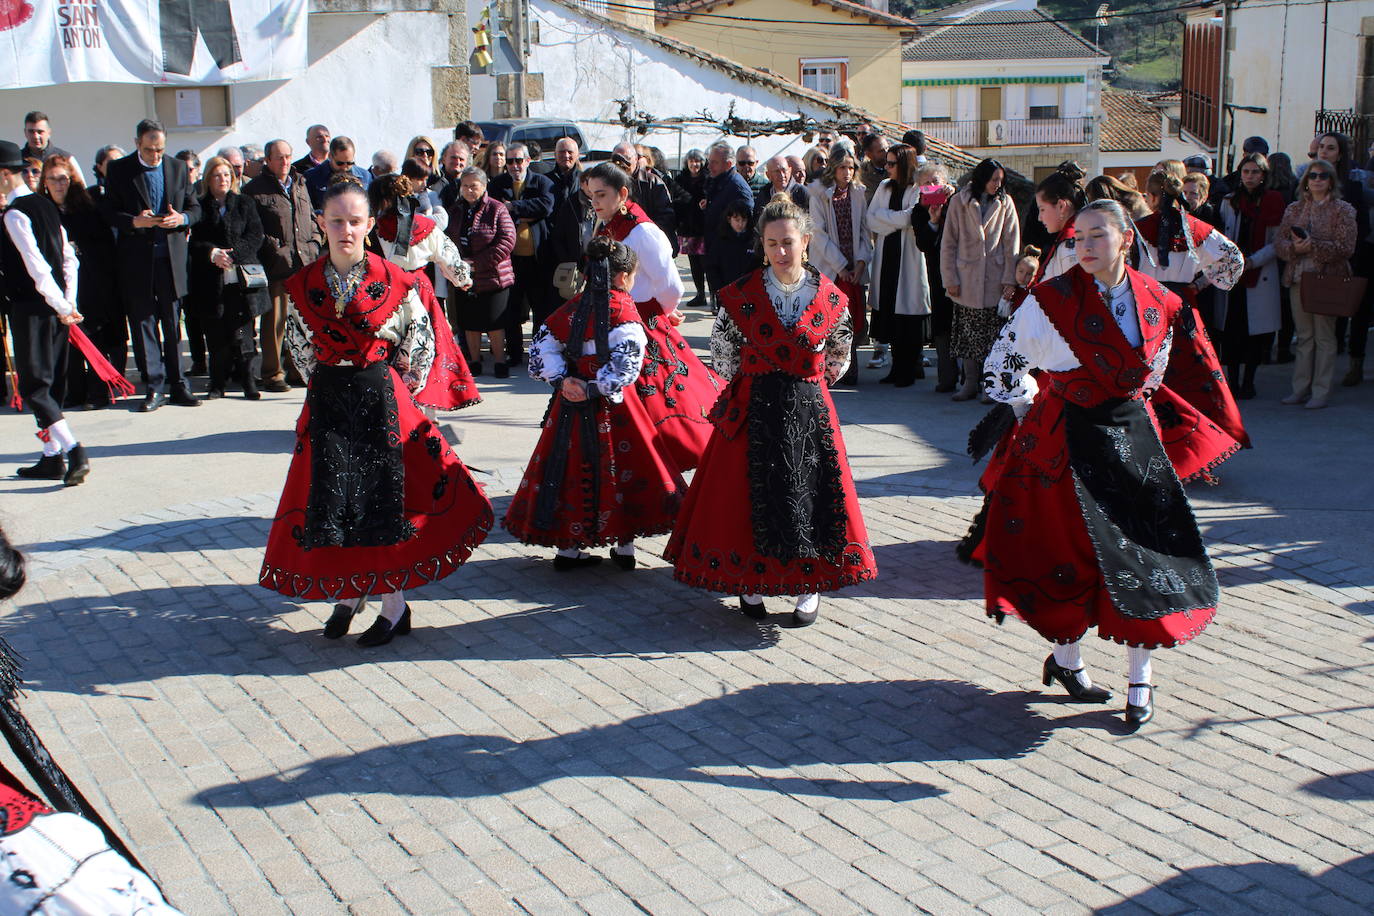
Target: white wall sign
(47, 42)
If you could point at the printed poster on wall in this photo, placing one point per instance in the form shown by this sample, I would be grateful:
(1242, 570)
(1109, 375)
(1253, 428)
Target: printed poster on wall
(181, 42)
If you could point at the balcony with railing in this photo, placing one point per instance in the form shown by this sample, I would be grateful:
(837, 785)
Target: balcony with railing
(1359, 127)
(1008, 132)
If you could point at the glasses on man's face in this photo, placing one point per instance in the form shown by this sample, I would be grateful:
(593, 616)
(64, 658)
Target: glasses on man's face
(514, 160)
(423, 151)
(748, 162)
(825, 141)
(340, 165)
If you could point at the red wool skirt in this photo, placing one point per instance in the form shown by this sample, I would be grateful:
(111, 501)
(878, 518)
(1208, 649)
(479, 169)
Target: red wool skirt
(450, 385)
(678, 391)
(613, 484)
(713, 544)
(408, 538)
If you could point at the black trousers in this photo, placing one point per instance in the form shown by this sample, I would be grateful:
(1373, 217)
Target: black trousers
(40, 359)
(197, 335)
(155, 328)
(906, 334)
(233, 350)
(529, 298)
(182, 20)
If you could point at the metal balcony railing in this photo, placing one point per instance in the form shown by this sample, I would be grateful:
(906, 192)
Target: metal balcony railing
(1010, 132)
(1358, 127)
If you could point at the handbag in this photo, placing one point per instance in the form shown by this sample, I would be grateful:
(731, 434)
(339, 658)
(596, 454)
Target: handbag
(1324, 294)
(253, 276)
(568, 279)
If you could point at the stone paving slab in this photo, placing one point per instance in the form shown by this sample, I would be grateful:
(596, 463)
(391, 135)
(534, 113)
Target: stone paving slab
(612, 742)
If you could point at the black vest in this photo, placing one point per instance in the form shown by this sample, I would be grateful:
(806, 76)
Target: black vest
(47, 231)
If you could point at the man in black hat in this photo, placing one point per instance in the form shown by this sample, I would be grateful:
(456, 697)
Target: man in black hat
(148, 199)
(39, 266)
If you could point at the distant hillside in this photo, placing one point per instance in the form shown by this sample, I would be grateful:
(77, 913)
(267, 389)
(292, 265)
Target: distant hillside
(1146, 45)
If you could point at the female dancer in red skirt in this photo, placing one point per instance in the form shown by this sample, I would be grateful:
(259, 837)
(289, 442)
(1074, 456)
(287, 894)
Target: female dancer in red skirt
(676, 387)
(596, 476)
(375, 501)
(772, 509)
(1087, 524)
(450, 385)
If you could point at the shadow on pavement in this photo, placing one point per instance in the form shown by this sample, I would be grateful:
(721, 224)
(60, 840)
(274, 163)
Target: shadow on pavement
(767, 727)
(1258, 887)
(1358, 786)
(240, 441)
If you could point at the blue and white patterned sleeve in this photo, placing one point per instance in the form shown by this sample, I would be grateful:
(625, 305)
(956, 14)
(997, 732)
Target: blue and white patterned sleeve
(415, 352)
(298, 344)
(1020, 348)
(547, 362)
(1221, 260)
(627, 342)
(726, 341)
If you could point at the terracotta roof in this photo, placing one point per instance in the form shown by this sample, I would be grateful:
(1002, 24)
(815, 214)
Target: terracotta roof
(955, 33)
(951, 155)
(1131, 123)
(877, 17)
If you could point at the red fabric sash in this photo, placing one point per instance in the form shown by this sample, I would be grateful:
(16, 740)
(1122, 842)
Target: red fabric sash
(114, 380)
(351, 336)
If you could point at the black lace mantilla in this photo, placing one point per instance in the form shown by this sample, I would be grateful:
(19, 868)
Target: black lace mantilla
(1143, 531)
(796, 486)
(357, 475)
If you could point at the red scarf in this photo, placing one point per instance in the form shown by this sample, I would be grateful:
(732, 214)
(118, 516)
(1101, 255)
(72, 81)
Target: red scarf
(1258, 214)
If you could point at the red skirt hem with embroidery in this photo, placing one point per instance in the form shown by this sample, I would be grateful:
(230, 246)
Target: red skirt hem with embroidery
(712, 546)
(448, 510)
(678, 390)
(638, 489)
(450, 385)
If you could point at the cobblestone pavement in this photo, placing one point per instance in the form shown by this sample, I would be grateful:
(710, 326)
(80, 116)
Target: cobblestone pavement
(615, 742)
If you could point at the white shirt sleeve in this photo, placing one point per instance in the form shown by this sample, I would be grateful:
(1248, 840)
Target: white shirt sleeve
(546, 360)
(627, 342)
(657, 277)
(21, 233)
(415, 348)
(1027, 342)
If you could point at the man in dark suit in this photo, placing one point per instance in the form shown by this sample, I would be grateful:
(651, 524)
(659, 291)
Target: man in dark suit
(529, 198)
(341, 161)
(149, 201)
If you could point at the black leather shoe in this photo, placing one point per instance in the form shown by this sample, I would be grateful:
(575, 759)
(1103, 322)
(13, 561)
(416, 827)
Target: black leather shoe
(1137, 716)
(1067, 677)
(276, 386)
(381, 632)
(753, 611)
(214, 394)
(889, 379)
(339, 621)
(564, 564)
(182, 397)
(626, 563)
(153, 401)
(806, 618)
(501, 371)
(49, 467)
(78, 466)
(250, 389)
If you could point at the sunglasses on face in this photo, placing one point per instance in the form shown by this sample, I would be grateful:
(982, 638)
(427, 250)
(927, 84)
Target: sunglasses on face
(423, 151)
(1318, 176)
(514, 160)
(33, 172)
(343, 165)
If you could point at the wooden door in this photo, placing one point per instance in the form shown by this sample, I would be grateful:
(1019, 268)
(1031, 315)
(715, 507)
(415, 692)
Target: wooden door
(989, 107)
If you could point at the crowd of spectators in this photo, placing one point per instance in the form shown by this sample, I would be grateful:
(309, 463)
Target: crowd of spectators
(170, 246)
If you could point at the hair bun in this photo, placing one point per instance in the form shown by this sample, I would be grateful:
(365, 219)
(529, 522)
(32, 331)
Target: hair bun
(600, 247)
(1072, 171)
(1030, 251)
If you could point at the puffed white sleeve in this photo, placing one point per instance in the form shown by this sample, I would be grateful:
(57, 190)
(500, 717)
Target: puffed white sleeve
(415, 352)
(546, 360)
(627, 342)
(297, 340)
(1221, 260)
(1027, 342)
(839, 346)
(440, 251)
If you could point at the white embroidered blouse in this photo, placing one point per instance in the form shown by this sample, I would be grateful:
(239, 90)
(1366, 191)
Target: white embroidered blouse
(789, 302)
(549, 362)
(1029, 341)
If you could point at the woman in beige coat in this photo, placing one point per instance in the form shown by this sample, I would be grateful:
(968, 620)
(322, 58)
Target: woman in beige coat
(978, 262)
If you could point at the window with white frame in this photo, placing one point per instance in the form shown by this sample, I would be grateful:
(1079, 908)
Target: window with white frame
(1042, 102)
(937, 105)
(826, 75)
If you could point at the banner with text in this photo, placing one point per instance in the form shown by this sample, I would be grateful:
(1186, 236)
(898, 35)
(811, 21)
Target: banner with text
(181, 42)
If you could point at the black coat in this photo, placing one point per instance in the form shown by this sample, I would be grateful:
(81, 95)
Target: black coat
(239, 231)
(929, 239)
(94, 241)
(534, 206)
(125, 197)
(689, 214)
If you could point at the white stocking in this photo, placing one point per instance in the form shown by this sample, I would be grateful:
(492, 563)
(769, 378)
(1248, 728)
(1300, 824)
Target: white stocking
(62, 434)
(1140, 673)
(50, 447)
(572, 552)
(808, 603)
(1070, 656)
(393, 606)
(627, 549)
(752, 599)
